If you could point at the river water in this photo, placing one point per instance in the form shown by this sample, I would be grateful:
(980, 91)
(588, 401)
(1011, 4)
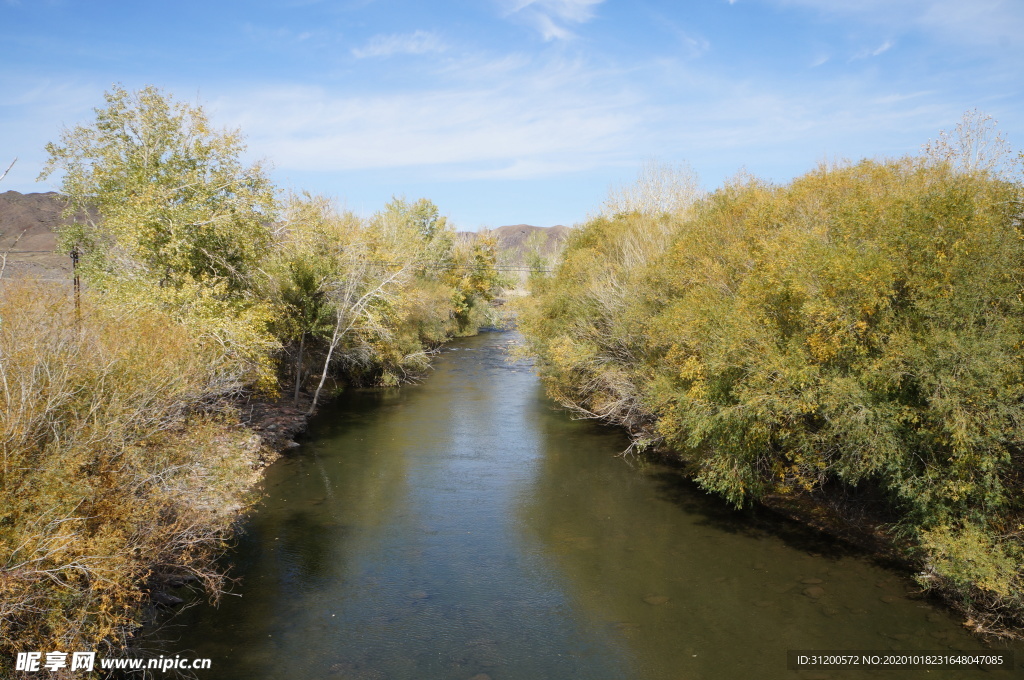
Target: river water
(463, 528)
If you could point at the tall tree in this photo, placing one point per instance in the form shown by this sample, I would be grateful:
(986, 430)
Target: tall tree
(175, 200)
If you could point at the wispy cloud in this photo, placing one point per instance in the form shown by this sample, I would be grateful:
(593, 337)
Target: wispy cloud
(418, 42)
(695, 44)
(875, 51)
(980, 22)
(530, 118)
(522, 122)
(552, 18)
(32, 112)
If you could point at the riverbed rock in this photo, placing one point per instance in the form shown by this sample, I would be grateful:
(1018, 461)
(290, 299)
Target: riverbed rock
(814, 592)
(166, 599)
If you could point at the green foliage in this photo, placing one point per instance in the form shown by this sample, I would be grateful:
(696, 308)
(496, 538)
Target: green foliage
(122, 461)
(980, 571)
(969, 557)
(370, 299)
(177, 203)
(863, 322)
(862, 325)
(183, 225)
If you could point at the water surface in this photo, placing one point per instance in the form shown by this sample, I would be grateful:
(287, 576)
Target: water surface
(464, 528)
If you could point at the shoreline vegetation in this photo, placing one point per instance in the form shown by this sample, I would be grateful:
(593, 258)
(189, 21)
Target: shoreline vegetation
(846, 348)
(214, 314)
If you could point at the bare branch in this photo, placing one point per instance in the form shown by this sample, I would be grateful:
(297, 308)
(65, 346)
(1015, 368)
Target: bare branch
(8, 168)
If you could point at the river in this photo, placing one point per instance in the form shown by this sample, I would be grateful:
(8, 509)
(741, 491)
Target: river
(463, 528)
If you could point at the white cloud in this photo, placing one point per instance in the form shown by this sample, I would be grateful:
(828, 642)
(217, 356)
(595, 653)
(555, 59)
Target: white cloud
(32, 112)
(520, 117)
(531, 118)
(552, 17)
(980, 22)
(418, 42)
(874, 52)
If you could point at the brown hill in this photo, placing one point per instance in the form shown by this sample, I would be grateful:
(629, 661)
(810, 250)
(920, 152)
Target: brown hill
(515, 241)
(28, 226)
(514, 237)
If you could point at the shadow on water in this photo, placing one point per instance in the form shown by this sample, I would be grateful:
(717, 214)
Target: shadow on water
(753, 522)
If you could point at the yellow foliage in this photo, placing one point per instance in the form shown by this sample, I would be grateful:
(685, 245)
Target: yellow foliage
(107, 476)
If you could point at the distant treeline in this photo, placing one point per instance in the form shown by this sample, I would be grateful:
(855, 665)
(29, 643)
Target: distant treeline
(124, 461)
(858, 331)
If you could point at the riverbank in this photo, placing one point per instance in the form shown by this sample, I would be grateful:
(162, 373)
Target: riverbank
(844, 347)
(128, 462)
(463, 526)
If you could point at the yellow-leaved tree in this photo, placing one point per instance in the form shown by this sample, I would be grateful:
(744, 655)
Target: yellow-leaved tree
(174, 219)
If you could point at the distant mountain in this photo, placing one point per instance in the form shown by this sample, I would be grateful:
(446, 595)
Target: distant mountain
(29, 222)
(513, 237)
(515, 241)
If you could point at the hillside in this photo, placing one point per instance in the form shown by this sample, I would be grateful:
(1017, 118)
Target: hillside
(517, 241)
(513, 238)
(28, 225)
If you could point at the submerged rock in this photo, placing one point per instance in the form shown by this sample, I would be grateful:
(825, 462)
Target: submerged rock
(166, 599)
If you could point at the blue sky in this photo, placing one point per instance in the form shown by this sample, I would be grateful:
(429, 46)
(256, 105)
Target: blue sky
(512, 111)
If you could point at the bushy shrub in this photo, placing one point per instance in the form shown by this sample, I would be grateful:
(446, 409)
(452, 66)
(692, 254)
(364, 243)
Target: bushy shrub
(861, 325)
(110, 471)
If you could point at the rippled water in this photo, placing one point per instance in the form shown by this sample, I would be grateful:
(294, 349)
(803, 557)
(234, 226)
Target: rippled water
(464, 529)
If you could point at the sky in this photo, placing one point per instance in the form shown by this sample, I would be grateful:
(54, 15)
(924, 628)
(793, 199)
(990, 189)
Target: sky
(519, 111)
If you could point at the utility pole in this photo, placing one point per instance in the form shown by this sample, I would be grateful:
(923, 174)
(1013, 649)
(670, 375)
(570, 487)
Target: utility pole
(78, 285)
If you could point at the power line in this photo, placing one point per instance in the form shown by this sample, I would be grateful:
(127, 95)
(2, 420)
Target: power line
(475, 267)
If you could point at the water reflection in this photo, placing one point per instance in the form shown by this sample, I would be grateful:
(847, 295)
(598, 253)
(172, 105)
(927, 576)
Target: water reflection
(461, 529)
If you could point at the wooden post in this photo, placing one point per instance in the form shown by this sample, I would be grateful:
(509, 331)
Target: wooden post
(78, 285)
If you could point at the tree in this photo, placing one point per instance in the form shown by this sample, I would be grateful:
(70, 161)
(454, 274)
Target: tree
(304, 265)
(659, 188)
(305, 298)
(365, 286)
(175, 201)
(976, 145)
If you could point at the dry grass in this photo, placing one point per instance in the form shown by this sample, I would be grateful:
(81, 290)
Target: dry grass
(110, 470)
